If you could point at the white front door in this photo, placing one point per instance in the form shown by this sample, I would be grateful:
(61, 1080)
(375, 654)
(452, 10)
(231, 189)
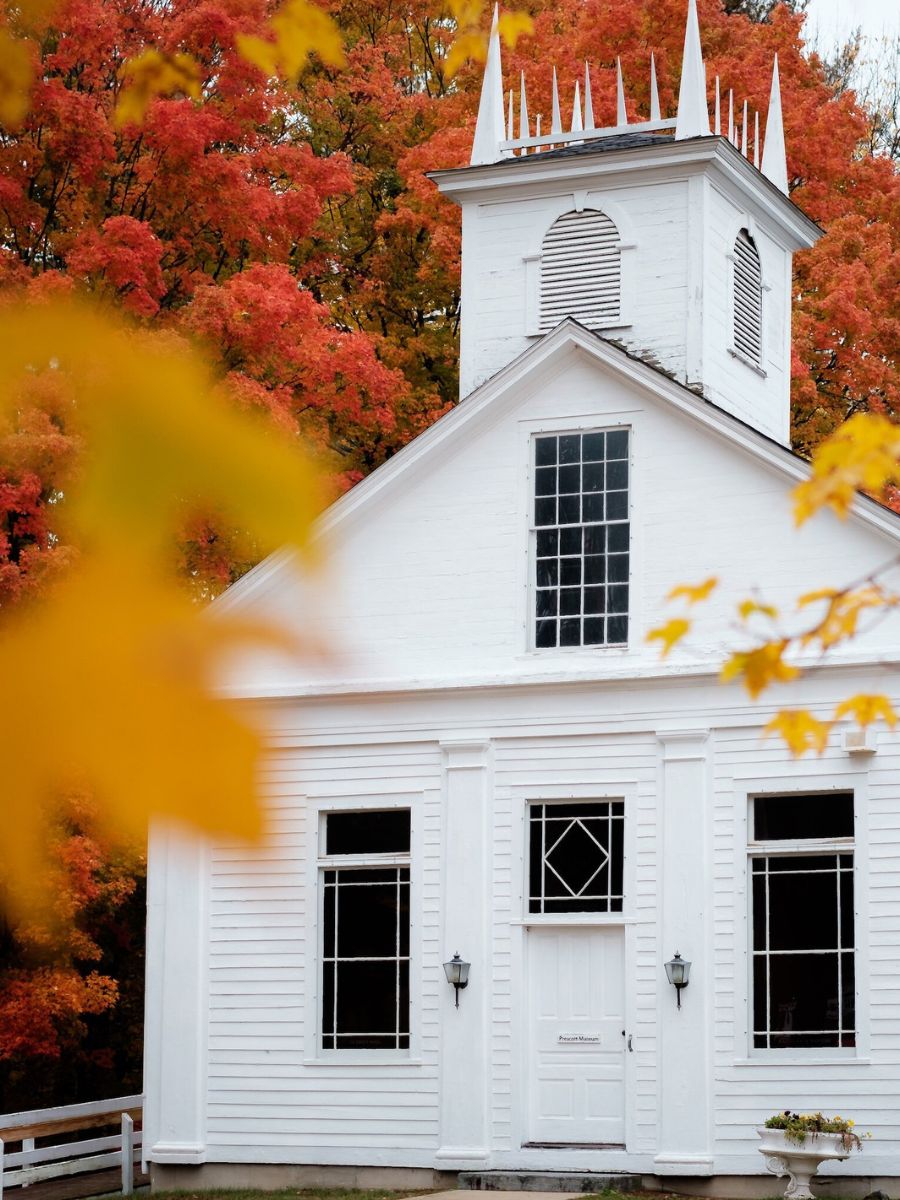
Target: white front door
(577, 1042)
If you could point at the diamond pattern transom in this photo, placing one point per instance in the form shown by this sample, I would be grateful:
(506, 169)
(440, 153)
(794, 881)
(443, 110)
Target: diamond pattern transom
(576, 858)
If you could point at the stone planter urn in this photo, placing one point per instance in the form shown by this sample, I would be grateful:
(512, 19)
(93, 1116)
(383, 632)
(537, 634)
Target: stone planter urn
(799, 1160)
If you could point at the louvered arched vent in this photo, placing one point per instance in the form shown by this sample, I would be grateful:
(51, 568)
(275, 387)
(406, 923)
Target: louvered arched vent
(581, 271)
(747, 299)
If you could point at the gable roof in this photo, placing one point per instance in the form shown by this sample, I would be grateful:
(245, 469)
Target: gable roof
(567, 338)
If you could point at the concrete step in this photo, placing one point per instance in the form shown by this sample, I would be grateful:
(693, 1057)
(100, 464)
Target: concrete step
(548, 1181)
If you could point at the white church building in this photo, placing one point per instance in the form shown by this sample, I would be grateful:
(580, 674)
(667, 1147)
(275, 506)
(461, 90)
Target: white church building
(495, 764)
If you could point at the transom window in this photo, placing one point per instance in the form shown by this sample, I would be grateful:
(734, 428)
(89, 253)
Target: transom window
(365, 924)
(582, 538)
(576, 857)
(804, 979)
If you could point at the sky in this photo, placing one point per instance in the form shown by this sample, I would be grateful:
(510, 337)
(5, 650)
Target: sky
(833, 20)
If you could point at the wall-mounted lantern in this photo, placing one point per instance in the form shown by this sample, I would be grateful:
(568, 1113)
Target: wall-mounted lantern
(457, 973)
(678, 972)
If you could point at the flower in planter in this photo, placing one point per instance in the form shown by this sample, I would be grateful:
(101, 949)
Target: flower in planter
(797, 1126)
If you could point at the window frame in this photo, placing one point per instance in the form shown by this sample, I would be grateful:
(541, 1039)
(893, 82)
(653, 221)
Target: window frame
(315, 1052)
(609, 915)
(746, 224)
(804, 848)
(623, 422)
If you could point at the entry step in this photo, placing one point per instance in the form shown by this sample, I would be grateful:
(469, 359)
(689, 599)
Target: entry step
(547, 1181)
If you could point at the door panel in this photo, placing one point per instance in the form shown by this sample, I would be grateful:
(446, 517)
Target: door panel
(576, 1043)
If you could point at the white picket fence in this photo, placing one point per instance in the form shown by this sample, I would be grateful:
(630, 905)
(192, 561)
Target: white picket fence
(32, 1165)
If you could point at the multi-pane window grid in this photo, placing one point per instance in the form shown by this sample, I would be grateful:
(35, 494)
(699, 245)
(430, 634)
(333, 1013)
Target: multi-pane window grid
(365, 942)
(582, 539)
(576, 857)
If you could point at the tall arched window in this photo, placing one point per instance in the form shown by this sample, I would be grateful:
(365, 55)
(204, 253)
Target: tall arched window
(581, 271)
(747, 299)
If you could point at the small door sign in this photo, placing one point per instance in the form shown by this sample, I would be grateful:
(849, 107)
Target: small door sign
(579, 1039)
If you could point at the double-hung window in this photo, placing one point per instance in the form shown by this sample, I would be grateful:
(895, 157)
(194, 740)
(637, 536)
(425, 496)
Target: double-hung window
(582, 538)
(804, 968)
(364, 877)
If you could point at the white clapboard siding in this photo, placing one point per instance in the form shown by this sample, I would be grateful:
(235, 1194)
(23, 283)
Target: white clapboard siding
(747, 299)
(581, 271)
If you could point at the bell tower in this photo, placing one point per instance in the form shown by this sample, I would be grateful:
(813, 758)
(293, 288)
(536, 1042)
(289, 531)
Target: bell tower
(672, 236)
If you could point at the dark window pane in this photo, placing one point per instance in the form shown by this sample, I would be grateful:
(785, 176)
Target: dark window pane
(617, 630)
(803, 993)
(546, 603)
(378, 832)
(617, 444)
(617, 538)
(593, 477)
(545, 451)
(616, 506)
(593, 447)
(847, 922)
(595, 539)
(795, 817)
(547, 572)
(594, 631)
(570, 479)
(570, 632)
(594, 600)
(760, 991)
(848, 991)
(570, 541)
(569, 510)
(805, 862)
(570, 601)
(617, 598)
(367, 997)
(545, 511)
(759, 912)
(570, 571)
(576, 857)
(547, 543)
(616, 475)
(791, 898)
(545, 481)
(593, 506)
(595, 568)
(570, 448)
(617, 568)
(367, 918)
(328, 970)
(403, 919)
(545, 634)
(403, 997)
(328, 920)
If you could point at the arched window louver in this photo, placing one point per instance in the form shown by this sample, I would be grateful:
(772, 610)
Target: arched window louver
(747, 299)
(581, 271)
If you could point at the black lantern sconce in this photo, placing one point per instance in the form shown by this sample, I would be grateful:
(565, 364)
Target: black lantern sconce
(457, 973)
(678, 972)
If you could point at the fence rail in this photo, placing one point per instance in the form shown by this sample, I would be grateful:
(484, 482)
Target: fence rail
(33, 1164)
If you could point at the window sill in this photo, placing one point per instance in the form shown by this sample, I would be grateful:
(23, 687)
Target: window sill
(567, 919)
(849, 1060)
(748, 362)
(620, 650)
(359, 1060)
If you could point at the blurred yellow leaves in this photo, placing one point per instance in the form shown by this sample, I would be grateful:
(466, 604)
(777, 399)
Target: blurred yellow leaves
(114, 667)
(15, 78)
(800, 730)
(669, 634)
(694, 593)
(758, 669)
(153, 73)
(298, 29)
(471, 41)
(863, 454)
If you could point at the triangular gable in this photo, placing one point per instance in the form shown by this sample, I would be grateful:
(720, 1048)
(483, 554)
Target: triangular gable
(506, 387)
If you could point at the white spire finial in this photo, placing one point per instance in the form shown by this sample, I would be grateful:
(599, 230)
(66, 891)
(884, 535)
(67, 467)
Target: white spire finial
(588, 100)
(510, 133)
(730, 115)
(654, 91)
(693, 111)
(577, 122)
(555, 118)
(774, 159)
(537, 131)
(621, 114)
(756, 140)
(524, 131)
(744, 132)
(717, 128)
(490, 127)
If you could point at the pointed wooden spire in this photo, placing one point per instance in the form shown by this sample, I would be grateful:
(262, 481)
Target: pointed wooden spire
(555, 118)
(588, 100)
(537, 131)
(621, 114)
(510, 132)
(756, 140)
(717, 128)
(693, 111)
(774, 160)
(490, 126)
(744, 132)
(577, 121)
(654, 91)
(730, 115)
(524, 130)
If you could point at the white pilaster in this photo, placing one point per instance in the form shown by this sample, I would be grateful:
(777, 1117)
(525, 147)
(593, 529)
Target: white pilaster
(685, 1146)
(466, 902)
(177, 1001)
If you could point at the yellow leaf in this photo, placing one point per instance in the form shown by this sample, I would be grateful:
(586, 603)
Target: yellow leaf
(467, 13)
(694, 593)
(298, 29)
(669, 634)
(759, 668)
(512, 25)
(150, 74)
(800, 730)
(841, 618)
(814, 597)
(865, 709)
(465, 46)
(748, 608)
(863, 454)
(15, 79)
